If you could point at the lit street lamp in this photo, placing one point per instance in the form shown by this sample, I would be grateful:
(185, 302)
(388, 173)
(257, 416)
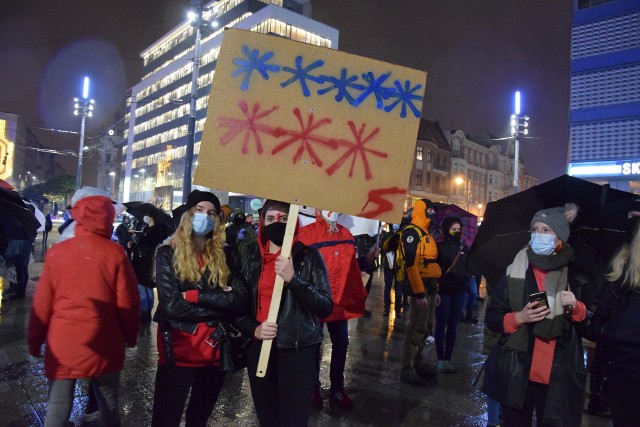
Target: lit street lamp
(519, 124)
(460, 181)
(84, 107)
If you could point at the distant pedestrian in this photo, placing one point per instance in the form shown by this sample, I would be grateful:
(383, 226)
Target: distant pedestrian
(391, 240)
(85, 309)
(124, 233)
(48, 226)
(153, 234)
(18, 252)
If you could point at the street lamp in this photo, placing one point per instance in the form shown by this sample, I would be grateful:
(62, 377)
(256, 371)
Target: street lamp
(459, 181)
(519, 125)
(196, 21)
(83, 107)
(112, 174)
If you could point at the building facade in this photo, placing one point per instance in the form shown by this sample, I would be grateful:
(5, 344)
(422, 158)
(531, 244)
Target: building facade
(23, 160)
(604, 124)
(157, 118)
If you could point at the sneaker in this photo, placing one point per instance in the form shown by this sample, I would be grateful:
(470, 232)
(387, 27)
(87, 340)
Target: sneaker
(316, 399)
(429, 340)
(341, 398)
(409, 376)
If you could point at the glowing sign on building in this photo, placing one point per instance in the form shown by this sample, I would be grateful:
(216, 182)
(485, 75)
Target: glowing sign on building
(612, 168)
(6, 152)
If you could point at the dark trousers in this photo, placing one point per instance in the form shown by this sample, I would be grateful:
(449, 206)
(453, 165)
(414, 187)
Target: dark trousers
(391, 282)
(22, 273)
(171, 392)
(447, 317)
(283, 396)
(623, 400)
(534, 399)
(339, 334)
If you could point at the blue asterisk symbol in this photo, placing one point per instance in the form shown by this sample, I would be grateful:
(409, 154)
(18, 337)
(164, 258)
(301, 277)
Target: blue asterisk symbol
(342, 85)
(302, 74)
(374, 86)
(253, 62)
(406, 96)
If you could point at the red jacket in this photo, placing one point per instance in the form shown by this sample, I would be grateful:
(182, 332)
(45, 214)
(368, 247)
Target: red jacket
(339, 253)
(86, 304)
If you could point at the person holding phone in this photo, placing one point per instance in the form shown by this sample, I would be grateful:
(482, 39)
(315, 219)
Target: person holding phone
(536, 312)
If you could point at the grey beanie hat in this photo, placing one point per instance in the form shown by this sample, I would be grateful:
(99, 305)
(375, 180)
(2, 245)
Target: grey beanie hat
(556, 220)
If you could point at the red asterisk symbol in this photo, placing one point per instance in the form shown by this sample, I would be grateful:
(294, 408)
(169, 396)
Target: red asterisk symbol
(249, 125)
(356, 149)
(305, 138)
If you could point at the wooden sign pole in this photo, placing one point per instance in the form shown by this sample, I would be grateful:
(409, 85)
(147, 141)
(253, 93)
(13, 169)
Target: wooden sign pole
(285, 251)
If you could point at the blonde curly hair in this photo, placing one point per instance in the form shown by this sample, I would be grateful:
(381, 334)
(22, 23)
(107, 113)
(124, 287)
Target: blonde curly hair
(185, 261)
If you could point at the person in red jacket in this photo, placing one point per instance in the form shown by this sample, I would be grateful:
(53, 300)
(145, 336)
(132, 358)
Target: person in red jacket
(86, 310)
(338, 249)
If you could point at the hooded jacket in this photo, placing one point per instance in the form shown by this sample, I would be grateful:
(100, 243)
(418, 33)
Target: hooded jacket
(338, 251)
(455, 281)
(86, 304)
(304, 299)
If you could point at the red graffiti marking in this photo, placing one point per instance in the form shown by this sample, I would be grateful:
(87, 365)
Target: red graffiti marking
(384, 205)
(305, 138)
(249, 126)
(357, 148)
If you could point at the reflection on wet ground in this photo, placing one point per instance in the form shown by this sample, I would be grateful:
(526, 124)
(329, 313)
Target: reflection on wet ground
(372, 378)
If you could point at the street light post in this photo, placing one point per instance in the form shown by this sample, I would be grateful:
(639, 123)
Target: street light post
(519, 126)
(191, 126)
(84, 107)
(459, 181)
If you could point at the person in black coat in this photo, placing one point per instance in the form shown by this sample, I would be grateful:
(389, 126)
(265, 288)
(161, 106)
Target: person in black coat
(282, 396)
(452, 257)
(153, 234)
(616, 323)
(198, 287)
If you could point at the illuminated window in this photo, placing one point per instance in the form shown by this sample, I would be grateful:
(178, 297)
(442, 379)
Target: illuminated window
(418, 153)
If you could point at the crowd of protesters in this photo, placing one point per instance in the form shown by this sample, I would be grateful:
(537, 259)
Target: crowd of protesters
(215, 271)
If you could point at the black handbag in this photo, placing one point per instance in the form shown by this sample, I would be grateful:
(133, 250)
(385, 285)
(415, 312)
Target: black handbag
(504, 376)
(233, 347)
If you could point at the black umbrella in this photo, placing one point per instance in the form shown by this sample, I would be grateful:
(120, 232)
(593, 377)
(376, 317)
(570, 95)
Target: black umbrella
(16, 222)
(596, 233)
(140, 209)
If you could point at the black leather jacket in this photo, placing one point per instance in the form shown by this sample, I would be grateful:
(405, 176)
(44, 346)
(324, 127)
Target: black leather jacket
(214, 304)
(305, 299)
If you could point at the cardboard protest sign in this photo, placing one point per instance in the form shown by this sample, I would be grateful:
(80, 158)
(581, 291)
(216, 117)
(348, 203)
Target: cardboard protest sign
(311, 126)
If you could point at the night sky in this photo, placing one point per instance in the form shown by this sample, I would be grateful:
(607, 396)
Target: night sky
(477, 53)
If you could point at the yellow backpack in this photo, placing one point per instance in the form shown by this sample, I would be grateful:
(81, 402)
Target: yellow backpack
(428, 253)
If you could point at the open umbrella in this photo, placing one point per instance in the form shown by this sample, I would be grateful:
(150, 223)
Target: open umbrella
(16, 221)
(595, 234)
(469, 223)
(140, 209)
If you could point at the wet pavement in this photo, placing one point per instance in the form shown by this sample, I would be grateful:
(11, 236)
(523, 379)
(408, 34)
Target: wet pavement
(371, 377)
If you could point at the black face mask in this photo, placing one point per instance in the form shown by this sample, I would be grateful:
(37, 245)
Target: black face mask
(275, 232)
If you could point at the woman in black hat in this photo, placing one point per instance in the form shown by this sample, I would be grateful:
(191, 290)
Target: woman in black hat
(197, 287)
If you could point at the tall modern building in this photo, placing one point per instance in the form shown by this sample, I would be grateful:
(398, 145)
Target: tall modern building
(158, 110)
(604, 124)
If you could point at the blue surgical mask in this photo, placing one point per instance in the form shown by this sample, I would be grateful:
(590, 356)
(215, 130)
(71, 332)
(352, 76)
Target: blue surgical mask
(543, 244)
(201, 223)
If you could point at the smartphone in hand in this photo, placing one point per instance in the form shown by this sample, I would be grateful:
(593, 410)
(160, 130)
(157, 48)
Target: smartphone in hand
(541, 297)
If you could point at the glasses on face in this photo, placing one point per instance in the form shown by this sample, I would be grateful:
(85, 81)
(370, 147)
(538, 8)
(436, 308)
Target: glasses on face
(272, 217)
(542, 230)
